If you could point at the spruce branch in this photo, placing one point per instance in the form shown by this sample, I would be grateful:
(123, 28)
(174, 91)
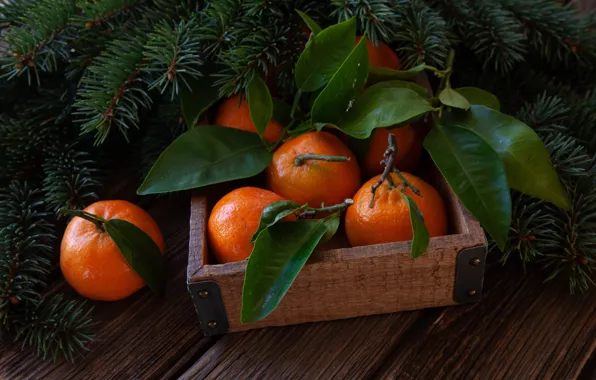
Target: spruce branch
(112, 92)
(71, 177)
(105, 12)
(54, 327)
(25, 245)
(376, 18)
(172, 55)
(38, 41)
(220, 22)
(421, 34)
(545, 114)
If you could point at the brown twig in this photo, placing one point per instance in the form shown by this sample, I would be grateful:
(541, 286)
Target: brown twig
(310, 156)
(335, 208)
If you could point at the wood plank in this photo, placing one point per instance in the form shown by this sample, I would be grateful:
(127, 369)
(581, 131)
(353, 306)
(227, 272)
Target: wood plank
(140, 337)
(522, 329)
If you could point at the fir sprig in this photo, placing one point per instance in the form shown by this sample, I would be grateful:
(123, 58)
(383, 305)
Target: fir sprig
(25, 245)
(71, 177)
(376, 17)
(54, 327)
(173, 55)
(109, 13)
(38, 43)
(112, 92)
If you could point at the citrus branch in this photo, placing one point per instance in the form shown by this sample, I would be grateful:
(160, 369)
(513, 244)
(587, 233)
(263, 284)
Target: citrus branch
(330, 209)
(310, 156)
(97, 220)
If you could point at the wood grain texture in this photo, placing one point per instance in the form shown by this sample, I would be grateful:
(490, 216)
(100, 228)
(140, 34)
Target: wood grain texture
(347, 282)
(522, 329)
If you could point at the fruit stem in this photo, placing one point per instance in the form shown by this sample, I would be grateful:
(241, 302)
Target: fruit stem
(335, 208)
(405, 183)
(310, 156)
(97, 220)
(446, 79)
(388, 163)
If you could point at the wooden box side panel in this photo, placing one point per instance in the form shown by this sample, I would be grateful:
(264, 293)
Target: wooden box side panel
(375, 280)
(198, 254)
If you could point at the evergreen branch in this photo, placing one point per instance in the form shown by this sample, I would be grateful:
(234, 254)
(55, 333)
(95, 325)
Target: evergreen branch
(70, 177)
(105, 12)
(11, 11)
(376, 18)
(173, 54)
(422, 34)
(25, 245)
(54, 327)
(569, 158)
(219, 23)
(37, 42)
(112, 92)
(545, 114)
(554, 30)
(582, 118)
(490, 31)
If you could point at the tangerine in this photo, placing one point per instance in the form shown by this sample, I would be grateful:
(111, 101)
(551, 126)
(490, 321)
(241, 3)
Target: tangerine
(408, 152)
(381, 55)
(235, 114)
(90, 260)
(314, 182)
(389, 218)
(233, 221)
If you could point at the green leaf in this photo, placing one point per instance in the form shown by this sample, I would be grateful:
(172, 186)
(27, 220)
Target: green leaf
(476, 174)
(282, 111)
(381, 74)
(420, 232)
(260, 104)
(279, 254)
(526, 159)
(452, 98)
(198, 96)
(403, 84)
(206, 155)
(324, 54)
(480, 97)
(332, 224)
(341, 91)
(139, 251)
(314, 27)
(382, 107)
(275, 212)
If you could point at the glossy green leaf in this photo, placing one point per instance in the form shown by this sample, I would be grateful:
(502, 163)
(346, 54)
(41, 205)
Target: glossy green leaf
(260, 104)
(332, 224)
(279, 254)
(421, 238)
(314, 27)
(380, 74)
(275, 212)
(452, 98)
(206, 155)
(139, 251)
(526, 159)
(324, 54)
(476, 174)
(382, 107)
(198, 96)
(404, 84)
(340, 93)
(478, 96)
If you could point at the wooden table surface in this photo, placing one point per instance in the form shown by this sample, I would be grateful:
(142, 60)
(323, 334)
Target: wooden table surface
(522, 329)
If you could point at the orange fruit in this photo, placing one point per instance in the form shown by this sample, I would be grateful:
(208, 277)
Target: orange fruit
(233, 114)
(381, 55)
(90, 260)
(389, 218)
(315, 182)
(406, 138)
(233, 221)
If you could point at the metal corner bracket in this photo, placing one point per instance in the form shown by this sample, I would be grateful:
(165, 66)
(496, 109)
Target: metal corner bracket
(469, 274)
(206, 296)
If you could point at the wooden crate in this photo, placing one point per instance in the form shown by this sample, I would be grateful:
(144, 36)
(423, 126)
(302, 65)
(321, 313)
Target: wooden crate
(342, 282)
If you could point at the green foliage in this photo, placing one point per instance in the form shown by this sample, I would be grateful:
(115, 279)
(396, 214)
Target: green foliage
(376, 17)
(112, 92)
(173, 55)
(36, 42)
(54, 327)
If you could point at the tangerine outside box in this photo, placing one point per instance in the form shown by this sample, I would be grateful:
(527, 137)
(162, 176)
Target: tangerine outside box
(339, 281)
